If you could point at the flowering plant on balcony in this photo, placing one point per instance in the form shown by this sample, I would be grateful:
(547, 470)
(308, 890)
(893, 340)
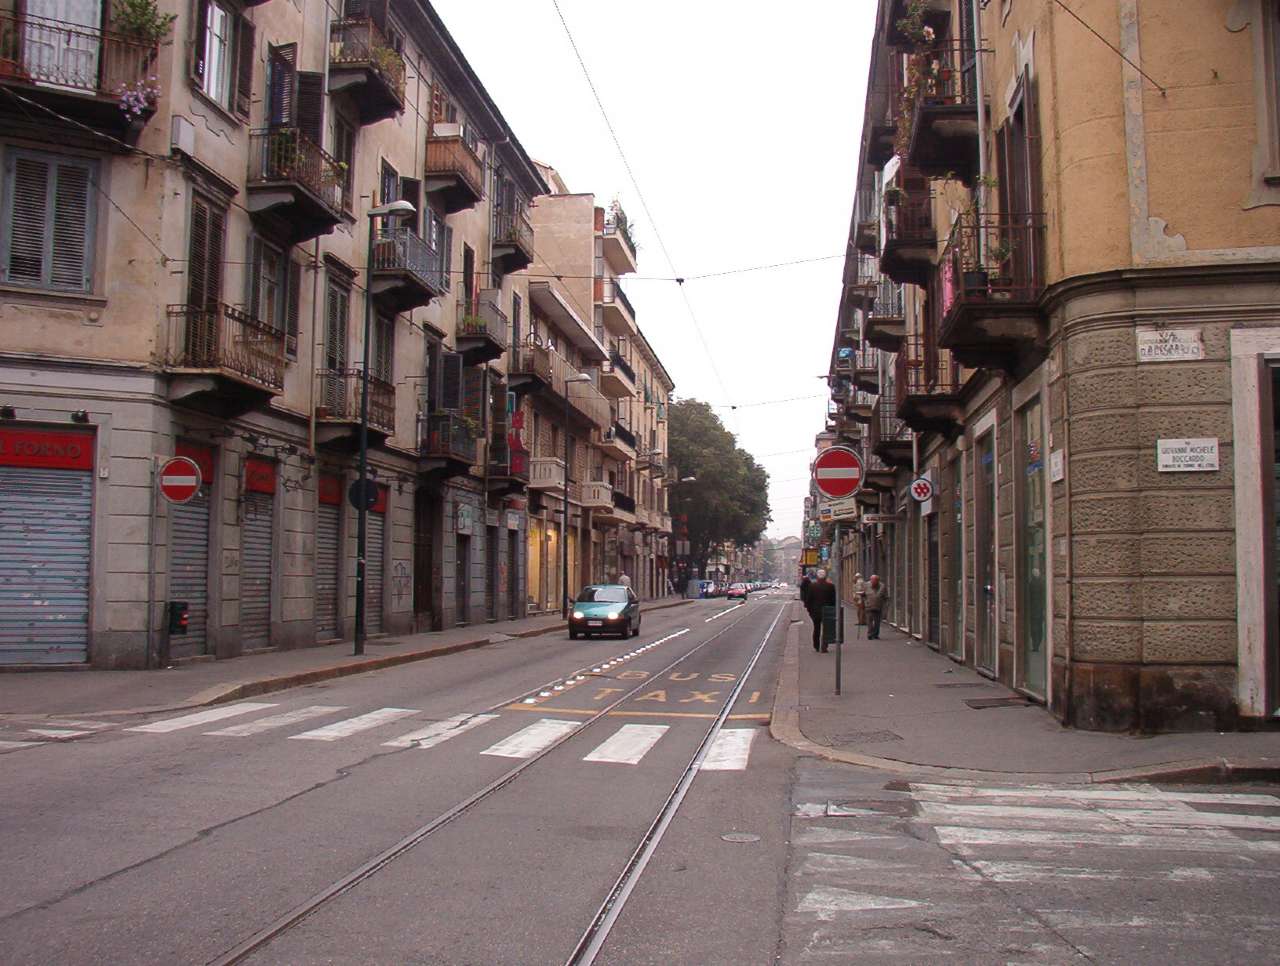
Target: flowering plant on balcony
(142, 19)
(138, 99)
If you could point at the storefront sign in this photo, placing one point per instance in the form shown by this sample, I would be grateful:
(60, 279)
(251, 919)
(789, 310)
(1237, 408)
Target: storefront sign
(879, 518)
(838, 510)
(48, 449)
(259, 476)
(1187, 455)
(1170, 345)
(202, 456)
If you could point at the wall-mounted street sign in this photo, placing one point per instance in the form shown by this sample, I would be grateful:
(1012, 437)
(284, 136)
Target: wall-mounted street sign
(1170, 345)
(838, 510)
(921, 489)
(179, 479)
(879, 518)
(1187, 455)
(837, 472)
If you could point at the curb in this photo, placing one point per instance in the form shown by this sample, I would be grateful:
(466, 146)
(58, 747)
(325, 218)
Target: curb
(784, 726)
(236, 691)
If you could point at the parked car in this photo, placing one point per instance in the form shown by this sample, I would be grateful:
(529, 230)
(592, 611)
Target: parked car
(605, 609)
(738, 592)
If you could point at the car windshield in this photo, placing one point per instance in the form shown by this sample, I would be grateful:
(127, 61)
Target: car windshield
(603, 595)
(737, 587)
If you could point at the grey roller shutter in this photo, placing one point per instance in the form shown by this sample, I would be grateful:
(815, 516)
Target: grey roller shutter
(189, 572)
(255, 571)
(45, 521)
(328, 521)
(373, 572)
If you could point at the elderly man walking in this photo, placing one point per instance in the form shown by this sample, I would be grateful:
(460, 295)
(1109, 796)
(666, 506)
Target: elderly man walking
(875, 594)
(822, 594)
(860, 597)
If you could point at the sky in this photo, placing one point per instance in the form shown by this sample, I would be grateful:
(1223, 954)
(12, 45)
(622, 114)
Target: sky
(741, 123)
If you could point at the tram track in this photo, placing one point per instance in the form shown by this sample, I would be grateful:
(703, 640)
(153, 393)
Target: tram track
(607, 914)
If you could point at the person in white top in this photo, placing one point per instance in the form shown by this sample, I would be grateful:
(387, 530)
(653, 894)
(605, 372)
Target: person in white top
(624, 580)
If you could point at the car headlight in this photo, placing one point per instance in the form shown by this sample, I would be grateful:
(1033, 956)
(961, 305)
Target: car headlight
(578, 615)
(614, 615)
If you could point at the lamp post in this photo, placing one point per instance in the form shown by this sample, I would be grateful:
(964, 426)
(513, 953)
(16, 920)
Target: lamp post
(564, 503)
(394, 209)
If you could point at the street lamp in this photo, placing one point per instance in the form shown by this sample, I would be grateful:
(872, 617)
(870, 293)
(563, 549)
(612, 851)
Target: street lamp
(394, 209)
(564, 502)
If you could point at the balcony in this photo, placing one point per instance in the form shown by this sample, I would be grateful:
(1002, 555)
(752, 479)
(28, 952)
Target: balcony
(295, 188)
(558, 310)
(546, 474)
(338, 409)
(364, 66)
(866, 370)
(992, 277)
(513, 237)
(78, 71)
(590, 403)
(407, 272)
(224, 361)
(935, 14)
(597, 496)
(928, 384)
(454, 173)
(889, 436)
(885, 323)
(508, 470)
(481, 334)
(857, 407)
(944, 123)
(618, 442)
(529, 369)
(908, 240)
(447, 444)
(619, 315)
(616, 380)
(619, 249)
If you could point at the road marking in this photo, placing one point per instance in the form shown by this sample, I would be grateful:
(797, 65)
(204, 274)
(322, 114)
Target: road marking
(1194, 819)
(827, 903)
(821, 863)
(201, 717)
(15, 745)
(964, 838)
(58, 732)
(527, 742)
(543, 709)
(439, 732)
(628, 744)
(275, 721)
(924, 791)
(730, 750)
(714, 617)
(821, 835)
(351, 726)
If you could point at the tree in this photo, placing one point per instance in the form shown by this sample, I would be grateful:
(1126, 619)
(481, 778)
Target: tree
(729, 503)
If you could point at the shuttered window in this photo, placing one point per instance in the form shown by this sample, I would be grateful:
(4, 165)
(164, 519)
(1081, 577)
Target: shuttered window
(282, 85)
(450, 381)
(335, 329)
(46, 226)
(310, 107)
(222, 52)
(204, 255)
(344, 152)
(384, 331)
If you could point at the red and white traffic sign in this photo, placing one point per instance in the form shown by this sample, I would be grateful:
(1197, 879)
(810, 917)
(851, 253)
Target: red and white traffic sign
(921, 490)
(837, 472)
(179, 479)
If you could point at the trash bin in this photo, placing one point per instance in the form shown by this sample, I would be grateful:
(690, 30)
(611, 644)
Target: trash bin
(829, 625)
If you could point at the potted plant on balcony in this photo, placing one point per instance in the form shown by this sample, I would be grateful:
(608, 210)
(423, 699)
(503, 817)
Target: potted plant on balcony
(998, 258)
(142, 20)
(894, 196)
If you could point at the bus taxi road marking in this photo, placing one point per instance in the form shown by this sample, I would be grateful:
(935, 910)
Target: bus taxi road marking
(276, 721)
(351, 726)
(439, 732)
(201, 717)
(730, 750)
(728, 610)
(628, 744)
(527, 742)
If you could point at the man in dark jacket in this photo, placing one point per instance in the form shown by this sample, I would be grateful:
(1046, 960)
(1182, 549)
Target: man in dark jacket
(822, 593)
(805, 584)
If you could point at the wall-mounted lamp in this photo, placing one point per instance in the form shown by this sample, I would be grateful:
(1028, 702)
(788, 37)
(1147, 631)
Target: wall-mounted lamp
(8, 412)
(80, 416)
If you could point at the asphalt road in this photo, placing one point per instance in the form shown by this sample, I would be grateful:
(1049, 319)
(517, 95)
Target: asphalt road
(175, 839)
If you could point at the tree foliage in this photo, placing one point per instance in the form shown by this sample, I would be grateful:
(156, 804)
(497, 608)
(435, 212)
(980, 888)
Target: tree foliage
(730, 500)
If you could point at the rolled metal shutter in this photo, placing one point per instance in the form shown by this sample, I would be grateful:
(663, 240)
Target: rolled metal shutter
(45, 523)
(373, 573)
(255, 570)
(189, 571)
(328, 522)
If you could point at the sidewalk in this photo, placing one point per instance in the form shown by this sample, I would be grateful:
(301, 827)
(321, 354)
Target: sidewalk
(903, 709)
(90, 692)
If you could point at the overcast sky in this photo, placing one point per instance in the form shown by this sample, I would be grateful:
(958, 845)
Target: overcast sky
(741, 122)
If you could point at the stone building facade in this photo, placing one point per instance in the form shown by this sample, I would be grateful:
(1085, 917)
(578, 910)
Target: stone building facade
(1059, 310)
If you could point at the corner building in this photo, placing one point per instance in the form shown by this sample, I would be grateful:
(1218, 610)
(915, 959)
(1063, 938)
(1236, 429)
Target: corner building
(1059, 308)
(187, 267)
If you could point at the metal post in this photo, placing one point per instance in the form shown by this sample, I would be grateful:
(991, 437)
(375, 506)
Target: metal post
(839, 606)
(362, 511)
(564, 517)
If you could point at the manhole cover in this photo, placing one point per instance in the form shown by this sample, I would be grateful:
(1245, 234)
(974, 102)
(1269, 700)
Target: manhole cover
(981, 704)
(740, 837)
(866, 737)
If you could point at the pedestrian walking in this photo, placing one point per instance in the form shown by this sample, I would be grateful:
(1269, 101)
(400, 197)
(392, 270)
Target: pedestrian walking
(860, 598)
(875, 594)
(805, 584)
(822, 594)
(624, 579)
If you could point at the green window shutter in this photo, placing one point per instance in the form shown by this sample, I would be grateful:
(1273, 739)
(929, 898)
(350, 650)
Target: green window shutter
(49, 240)
(28, 203)
(293, 298)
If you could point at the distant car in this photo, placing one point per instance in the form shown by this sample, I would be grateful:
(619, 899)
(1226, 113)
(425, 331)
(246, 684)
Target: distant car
(605, 609)
(738, 592)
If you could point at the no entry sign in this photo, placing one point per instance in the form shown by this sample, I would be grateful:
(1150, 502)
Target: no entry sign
(837, 472)
(179, 479)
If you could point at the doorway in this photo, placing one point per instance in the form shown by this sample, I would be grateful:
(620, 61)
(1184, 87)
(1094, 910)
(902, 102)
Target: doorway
(985, 553)
(1033, 666)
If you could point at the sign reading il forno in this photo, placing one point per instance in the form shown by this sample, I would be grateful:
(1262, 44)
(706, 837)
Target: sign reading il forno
(1170, 345)
(1187, 455)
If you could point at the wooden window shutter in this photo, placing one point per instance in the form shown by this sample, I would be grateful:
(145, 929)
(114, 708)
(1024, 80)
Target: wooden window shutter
(213, 269)
(282, 85)
(411, 191)
(199, 39)
(1002, 168)
(253, 275)
(355, 9)
(1035, 186)
(244, 66)
(198, 255)
(72, 221)
(310, 113)
(378, 14)
(473, 392)
(431, 401)
(451, 380)
(28, 204)
(335, 328)
(293, 297)
(448, 256)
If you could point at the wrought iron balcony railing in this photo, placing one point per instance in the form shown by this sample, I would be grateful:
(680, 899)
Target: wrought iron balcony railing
(511, 226)
(922, 369)
(482, 318)
(612, 292)
(286, 154)
(401, 250)
(73, 57)
(449, 436)
(621, 365)
(340, 391)
(357, 42)
(454, 155)
(993, 258)
(625, 435)
(226, 339)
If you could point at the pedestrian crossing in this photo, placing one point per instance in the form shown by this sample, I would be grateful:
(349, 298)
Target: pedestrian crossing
(629, 744)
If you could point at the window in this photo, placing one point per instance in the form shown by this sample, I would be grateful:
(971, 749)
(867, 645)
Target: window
(344, 152)
(383, 348)
(389, 185)
(337, 305)
(47, 221)
(218, 42)
(222, 53)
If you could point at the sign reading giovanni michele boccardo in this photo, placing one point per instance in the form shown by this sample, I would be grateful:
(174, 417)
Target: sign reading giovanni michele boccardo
(1170, 345)
(1187, 455)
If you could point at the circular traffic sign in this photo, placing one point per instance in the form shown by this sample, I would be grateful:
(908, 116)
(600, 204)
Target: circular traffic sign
(370, 493)
(921, 490)
(837, 472)
(179, 479)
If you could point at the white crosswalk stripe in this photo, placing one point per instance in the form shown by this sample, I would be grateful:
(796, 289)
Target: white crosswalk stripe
(528, 741)
(628, 745)
(730, 750)
(275, 721)
(439, 731)
(15, 745)
(200, 717)
(351, 726)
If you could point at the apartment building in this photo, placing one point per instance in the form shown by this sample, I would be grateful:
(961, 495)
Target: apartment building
(1059, 311)
(190, 260)
(600, 438)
